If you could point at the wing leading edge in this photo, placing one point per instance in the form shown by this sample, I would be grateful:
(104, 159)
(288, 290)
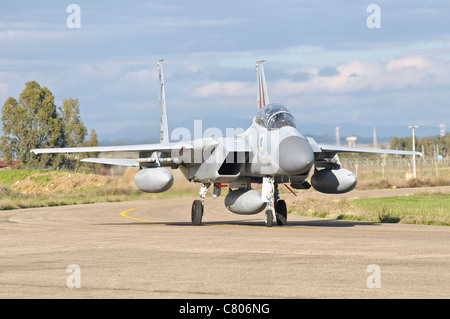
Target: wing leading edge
(121, 148)
(324, 148)
(343, 149)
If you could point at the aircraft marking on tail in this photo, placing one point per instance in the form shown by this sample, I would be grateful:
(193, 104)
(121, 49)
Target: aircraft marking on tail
(263, 98)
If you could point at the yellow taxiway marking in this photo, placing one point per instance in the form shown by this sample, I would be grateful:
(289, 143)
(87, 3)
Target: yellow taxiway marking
(124, 213)
(287, 227)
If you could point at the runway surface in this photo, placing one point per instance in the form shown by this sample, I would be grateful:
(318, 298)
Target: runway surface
(149, 249)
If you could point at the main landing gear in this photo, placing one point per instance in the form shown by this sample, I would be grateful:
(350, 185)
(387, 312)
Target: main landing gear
(197, 212)
(281, 212)
(198, 206)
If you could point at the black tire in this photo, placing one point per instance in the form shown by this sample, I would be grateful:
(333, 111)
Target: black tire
(269, 218)
(197, 212)
(281, 212)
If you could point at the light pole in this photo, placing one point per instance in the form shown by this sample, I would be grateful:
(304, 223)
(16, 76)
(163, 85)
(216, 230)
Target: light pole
(413, 127)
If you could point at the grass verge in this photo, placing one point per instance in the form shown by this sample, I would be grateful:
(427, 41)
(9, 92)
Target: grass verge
(30, 188)
(425, 208)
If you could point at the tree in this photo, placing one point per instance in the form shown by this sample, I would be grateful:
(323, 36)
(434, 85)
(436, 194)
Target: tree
(32, 122)
(12, 132)
(430, 145)
(74, 129)
(92, 141)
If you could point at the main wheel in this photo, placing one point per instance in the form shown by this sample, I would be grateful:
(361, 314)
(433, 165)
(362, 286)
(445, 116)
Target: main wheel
(197, 212)
(269, 218)
(281, 212)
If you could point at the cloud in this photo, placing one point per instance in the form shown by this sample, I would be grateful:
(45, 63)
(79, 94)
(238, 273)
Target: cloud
(140, 77)
(322, 60)
(409, 62)
(228, 88)
(397, 74)
(4, 88)
(24, 36)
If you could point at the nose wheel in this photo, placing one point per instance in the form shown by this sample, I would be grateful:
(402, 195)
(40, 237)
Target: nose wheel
(280, 213)
(268, 221)
(277, 209)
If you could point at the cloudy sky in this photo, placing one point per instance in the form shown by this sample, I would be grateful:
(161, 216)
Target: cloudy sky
(323, 61)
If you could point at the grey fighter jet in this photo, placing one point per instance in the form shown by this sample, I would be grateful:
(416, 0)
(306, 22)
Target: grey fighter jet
(270, 152)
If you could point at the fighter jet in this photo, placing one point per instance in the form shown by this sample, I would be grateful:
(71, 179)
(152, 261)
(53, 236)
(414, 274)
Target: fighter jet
(272, 151)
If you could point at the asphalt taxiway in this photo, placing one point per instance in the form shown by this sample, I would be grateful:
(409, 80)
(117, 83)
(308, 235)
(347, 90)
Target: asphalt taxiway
(149, 249)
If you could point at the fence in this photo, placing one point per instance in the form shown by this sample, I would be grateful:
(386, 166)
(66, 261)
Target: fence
(425, 167)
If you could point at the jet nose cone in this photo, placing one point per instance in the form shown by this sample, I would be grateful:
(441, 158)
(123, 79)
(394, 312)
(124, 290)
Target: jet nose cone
(295, 155)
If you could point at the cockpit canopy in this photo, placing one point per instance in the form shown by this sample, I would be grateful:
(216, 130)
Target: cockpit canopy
(275, 116)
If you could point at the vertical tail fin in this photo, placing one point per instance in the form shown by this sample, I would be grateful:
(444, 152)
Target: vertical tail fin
(263, 97)
(163, 126)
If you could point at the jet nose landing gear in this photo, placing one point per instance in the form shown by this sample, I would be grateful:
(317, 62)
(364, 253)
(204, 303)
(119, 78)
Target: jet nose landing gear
(280, 213)
(276, 207)
(268, 221)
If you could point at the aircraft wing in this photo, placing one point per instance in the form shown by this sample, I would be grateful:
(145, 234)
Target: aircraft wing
(161, 147)
(231, 144)
(344, 149)
(333, 149)
(130, 162)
